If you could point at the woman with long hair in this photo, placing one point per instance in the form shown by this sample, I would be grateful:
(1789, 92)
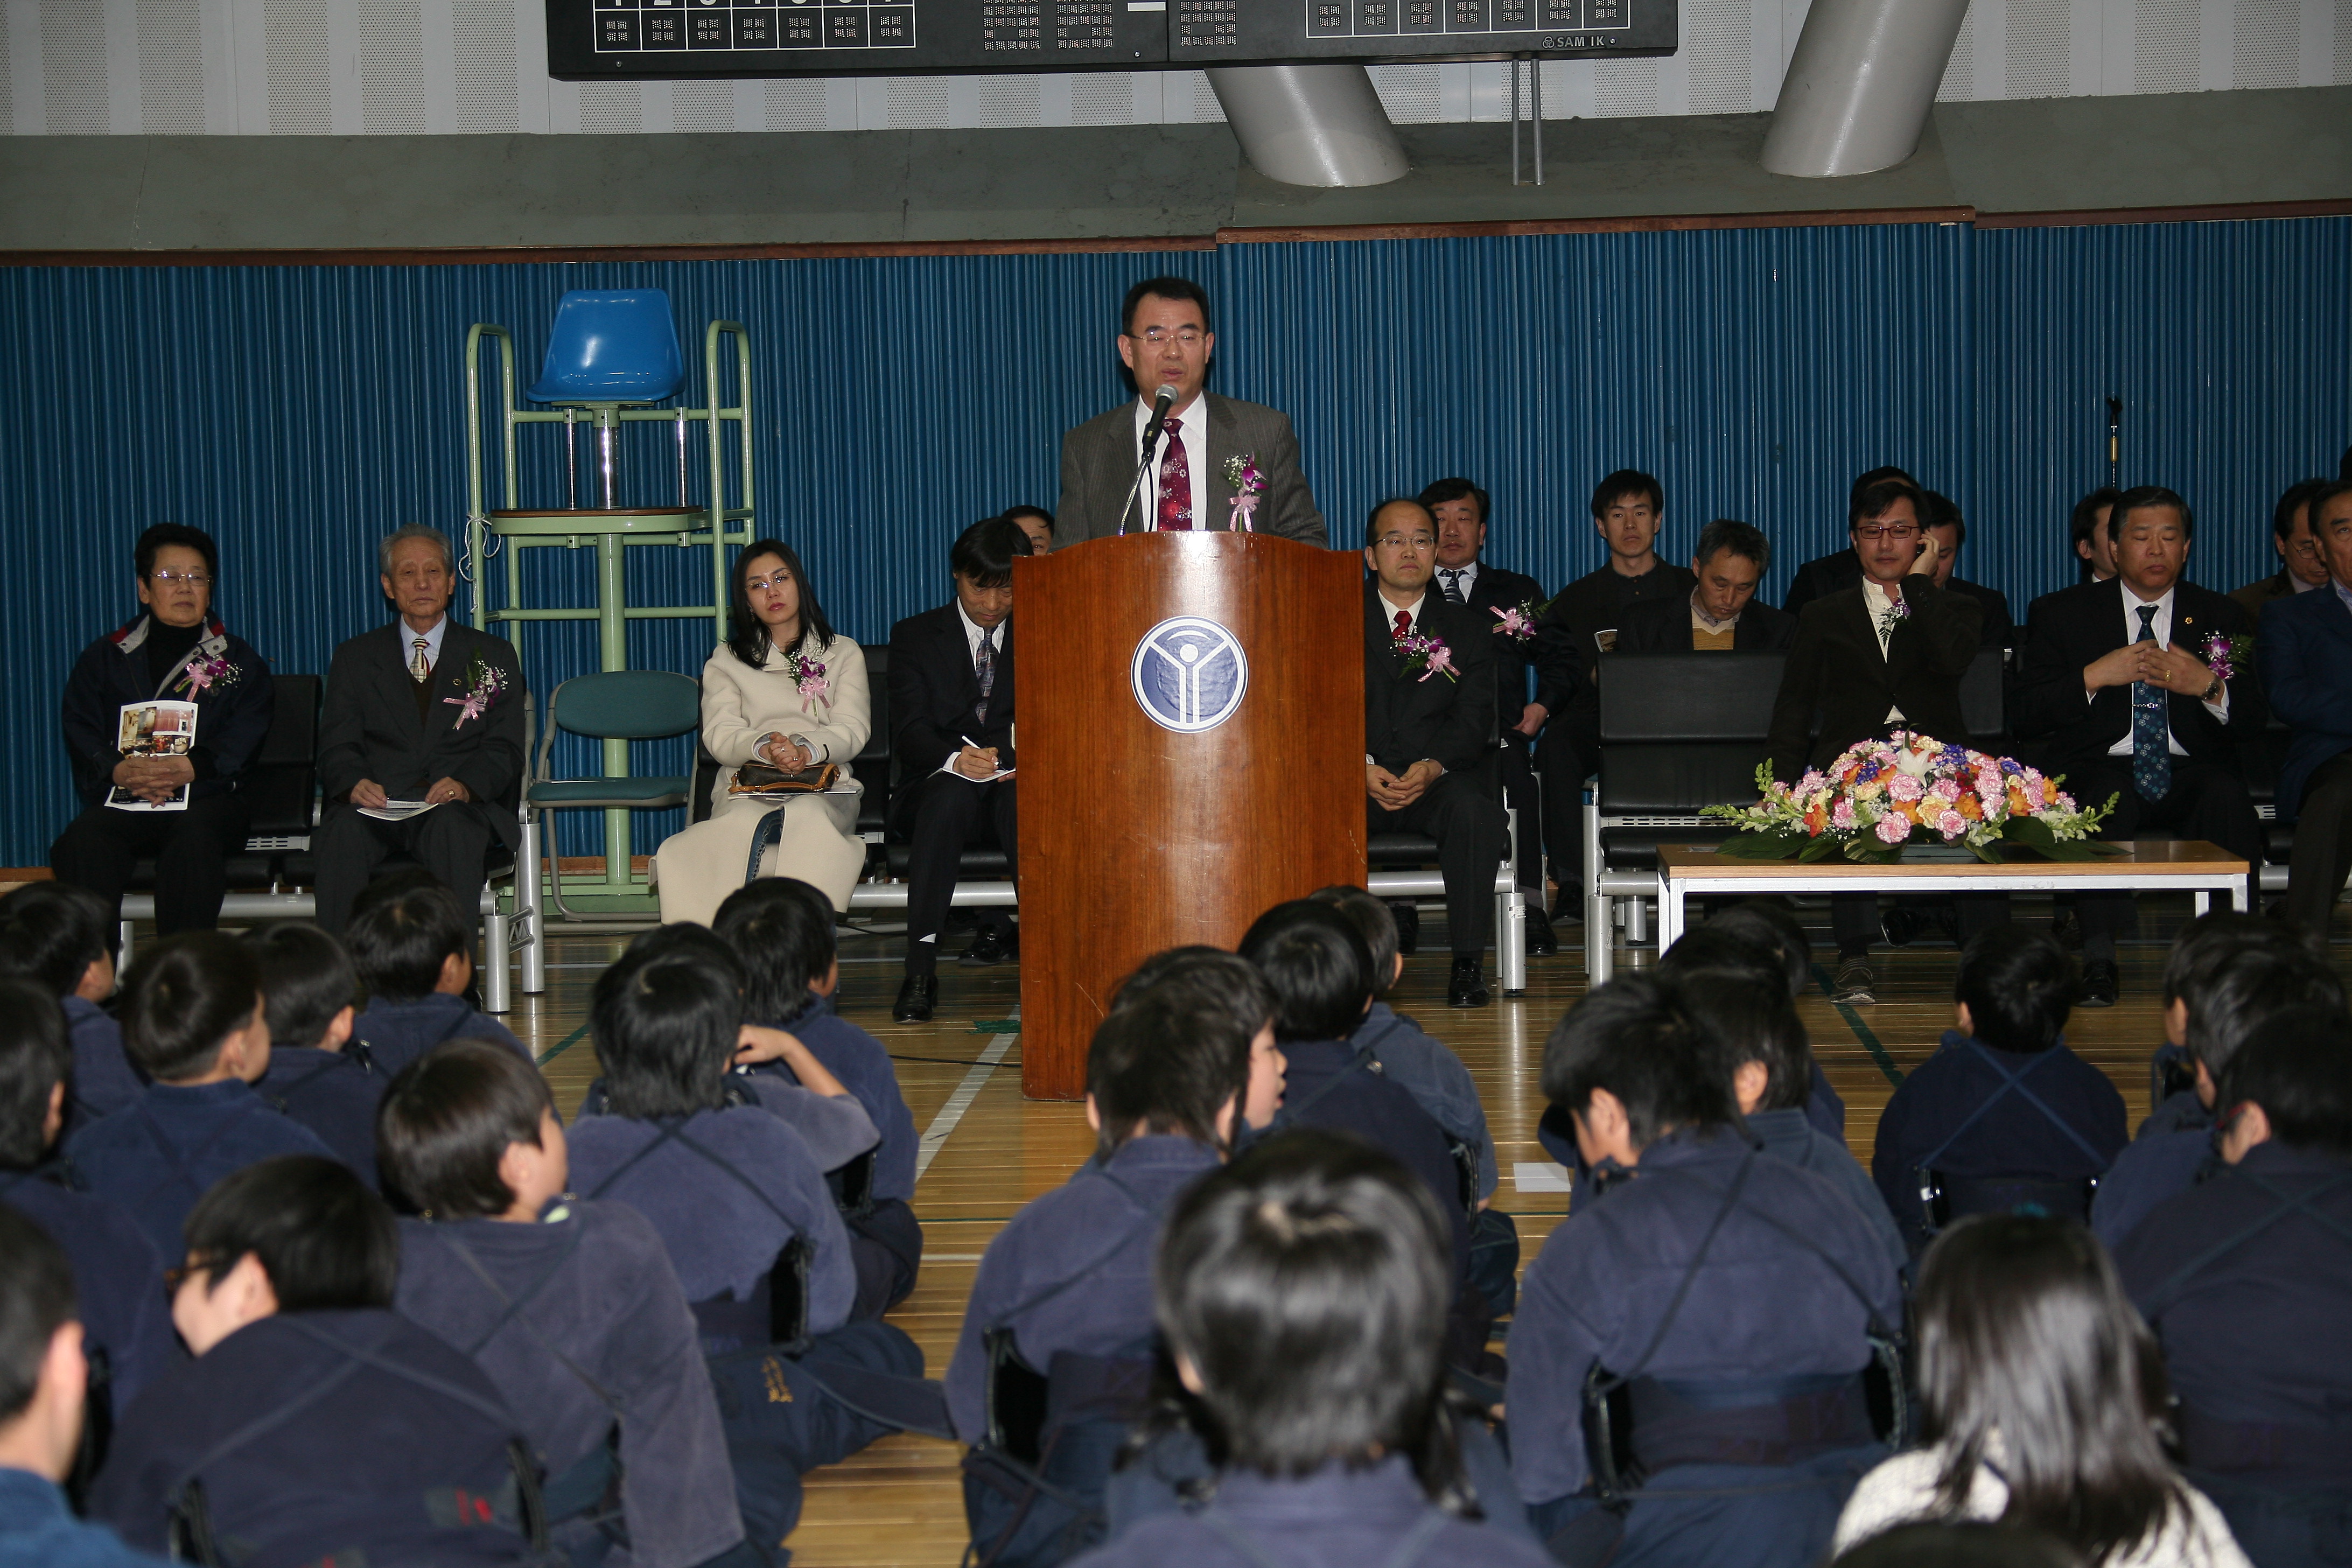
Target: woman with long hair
(784, 691)
(2045, 1405)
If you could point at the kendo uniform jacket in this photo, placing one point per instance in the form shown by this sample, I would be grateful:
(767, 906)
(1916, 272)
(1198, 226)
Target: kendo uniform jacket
(1407, 718)
(1835, 669)
(1334, 1083)
(1099, 461)
(159, 1154)
(104, 1077)
(233, 709)
(38, 1530)
(1792, 1135)
(1430, 1072)
(608, 1301)
(1663, 626)
(119, 1291)
(2076, 626)
(364, 1440)
(863, 1065)
(370, 729)
(389, 1035)
(2166, 1159)
(332, 1095)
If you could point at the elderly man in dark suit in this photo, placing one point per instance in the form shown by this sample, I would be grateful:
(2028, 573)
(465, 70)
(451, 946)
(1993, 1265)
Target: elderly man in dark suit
(952, 740)
(1884, 655)
(2116, 686)
(1429, 729)
(422, 709)
(2305, 663)
(1165, 341)
(1722, 613)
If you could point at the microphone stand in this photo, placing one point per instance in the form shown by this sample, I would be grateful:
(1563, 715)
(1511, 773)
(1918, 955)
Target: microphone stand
(1151, 435)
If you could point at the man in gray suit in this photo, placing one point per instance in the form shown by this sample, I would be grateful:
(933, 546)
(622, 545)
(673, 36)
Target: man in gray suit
(423, 710)
(1165, 341)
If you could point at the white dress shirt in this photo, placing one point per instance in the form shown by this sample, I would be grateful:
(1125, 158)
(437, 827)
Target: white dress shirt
(1468, 576)
(1878, 601)
(1195, 432)
(408, 636)
(972, 632)
(2163, 625)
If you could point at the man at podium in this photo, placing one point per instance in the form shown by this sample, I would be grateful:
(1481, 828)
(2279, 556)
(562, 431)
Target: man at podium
(1218, 456)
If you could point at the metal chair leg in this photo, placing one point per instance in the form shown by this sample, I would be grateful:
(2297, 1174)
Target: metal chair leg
(555, 866)
(497, 982)
(530, 915)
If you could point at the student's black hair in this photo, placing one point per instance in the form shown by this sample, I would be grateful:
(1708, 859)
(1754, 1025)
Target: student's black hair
(1943, 511)
(1604, 1010)
(404, 927)
(1372, 518)
(1770, 926)
(1305, 1284)
(1627, 482)
(183, 998)
(1318, 966)
(166, 535)
(1714, 949)
(781, 931)
(1645, 1049)
(1371, 916)
(1742, 1022)
(53, 932)
(2232, 972)
(2292, 500)
(1167, 1066)
(446, 1121)
(306, 979)
(1742, 539)
(35, 1055)
(1209, 982)
(1958, 1543)
(37, 1300)
(1014, 514)
(1433, 495)
(1873, 500)
(664, 1019)
(2297, 1065)
(1166, 288)
(2025, 1330)
(983, 554)
(326, 1241)
(747, 634)
(2018, 985)
(2143, 498)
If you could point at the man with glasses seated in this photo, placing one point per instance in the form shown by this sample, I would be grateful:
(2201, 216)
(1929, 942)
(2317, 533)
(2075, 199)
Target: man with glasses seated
(1165, 341)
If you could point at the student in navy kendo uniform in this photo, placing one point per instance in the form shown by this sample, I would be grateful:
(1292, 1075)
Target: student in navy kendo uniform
(43, 1383)
(413, 949)
(570, 1306)
(62, 936)
(2003, 1113)
(2247, 1279)
(782, 930)
(1184, 1063)
(193, 1018)
(743, 1211)
(1725, 1299)
(314, 1425)
(1303, 1293)
(2227, 974)
(119, 1273)
(1765, 944)
(309, 989)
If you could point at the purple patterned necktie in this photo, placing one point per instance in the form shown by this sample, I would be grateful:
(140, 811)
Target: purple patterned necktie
(983, 664)
(2151, 725)
(1175, 482)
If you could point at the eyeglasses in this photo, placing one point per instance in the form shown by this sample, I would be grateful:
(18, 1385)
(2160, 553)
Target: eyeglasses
(180, 1274)
(179, 579)
(1899, 531)
(1190, 337)
(1406, 542)
(772, 585)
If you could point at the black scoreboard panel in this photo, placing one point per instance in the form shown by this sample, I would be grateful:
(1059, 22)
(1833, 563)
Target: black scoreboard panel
(607, 40)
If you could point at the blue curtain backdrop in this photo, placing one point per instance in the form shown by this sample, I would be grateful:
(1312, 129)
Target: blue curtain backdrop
(300, 413)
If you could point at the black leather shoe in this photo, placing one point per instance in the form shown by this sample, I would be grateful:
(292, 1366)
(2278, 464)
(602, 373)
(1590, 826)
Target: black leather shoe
(989, 947)
(2100, 983)
(917, 996)
(1467, 987)
(1541, 940)
(1408, 924)
(1901, 926)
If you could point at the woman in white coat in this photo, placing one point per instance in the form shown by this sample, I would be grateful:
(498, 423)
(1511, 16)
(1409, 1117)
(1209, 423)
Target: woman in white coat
(785, 690)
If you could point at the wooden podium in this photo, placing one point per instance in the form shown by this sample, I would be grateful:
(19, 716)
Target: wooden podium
(1139, 833)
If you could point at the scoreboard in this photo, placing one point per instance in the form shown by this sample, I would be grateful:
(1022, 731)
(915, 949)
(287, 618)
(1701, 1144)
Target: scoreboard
(607, 40)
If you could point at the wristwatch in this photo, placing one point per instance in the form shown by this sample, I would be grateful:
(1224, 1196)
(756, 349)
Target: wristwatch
(2210, 692)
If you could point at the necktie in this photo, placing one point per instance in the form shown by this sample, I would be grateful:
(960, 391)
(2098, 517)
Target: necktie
(1452, 584)
(418, 669)
(984, 665)
(2151, 732)
(1403, 627)
(1175, 482)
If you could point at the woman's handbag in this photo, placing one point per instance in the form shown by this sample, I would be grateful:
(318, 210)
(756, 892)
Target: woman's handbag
(759, 778)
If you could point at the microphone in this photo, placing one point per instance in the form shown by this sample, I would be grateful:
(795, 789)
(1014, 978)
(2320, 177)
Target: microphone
(1160, 401)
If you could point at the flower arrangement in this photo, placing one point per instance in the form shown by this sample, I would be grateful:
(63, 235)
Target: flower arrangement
(810, 679)
(1428, 655)
(484, 681)
(1248, 484)
(2225, 655)
(1880, 795)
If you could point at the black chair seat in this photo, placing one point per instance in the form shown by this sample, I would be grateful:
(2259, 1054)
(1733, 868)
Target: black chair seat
(983, 863)
(1399, 851)
(1636, 848)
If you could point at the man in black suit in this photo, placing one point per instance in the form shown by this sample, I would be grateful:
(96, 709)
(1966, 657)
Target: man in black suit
(1428, 723)
(2095, 547)
(1839, 569)
(1722, 613)
(423, 708)
(2305, 664)
(2116, 685)
(1165, 341)
(951, 736)
(2303, 564)
(1460, 509)
(1884, 655)
(1950, 530)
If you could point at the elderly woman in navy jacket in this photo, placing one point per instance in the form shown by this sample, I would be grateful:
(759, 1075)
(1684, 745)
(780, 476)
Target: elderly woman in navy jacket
(174, 651)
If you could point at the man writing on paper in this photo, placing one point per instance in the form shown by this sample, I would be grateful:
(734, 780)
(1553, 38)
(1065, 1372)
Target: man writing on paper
(1165, 341)
(423, 710)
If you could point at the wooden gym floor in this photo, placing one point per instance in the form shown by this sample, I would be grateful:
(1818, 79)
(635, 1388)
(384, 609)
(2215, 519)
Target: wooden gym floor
(988, 1150)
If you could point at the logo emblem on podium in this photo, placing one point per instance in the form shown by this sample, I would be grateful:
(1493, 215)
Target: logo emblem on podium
(1189, 674)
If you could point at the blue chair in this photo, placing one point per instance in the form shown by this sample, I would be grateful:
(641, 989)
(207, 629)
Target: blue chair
(610, 346)
(613, 705)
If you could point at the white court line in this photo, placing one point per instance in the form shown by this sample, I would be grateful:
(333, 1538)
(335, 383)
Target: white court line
(944, 1124)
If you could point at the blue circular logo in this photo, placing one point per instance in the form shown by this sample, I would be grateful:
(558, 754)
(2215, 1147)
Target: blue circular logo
(1189, 674)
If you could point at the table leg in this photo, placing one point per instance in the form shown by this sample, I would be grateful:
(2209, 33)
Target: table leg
(1670, 913)
(2202, 899)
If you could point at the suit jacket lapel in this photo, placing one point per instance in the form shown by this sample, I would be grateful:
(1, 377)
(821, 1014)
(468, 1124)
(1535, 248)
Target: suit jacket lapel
(1224, 442)
(1859, 615)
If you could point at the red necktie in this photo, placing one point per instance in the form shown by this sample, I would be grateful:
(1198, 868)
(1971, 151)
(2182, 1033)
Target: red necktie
(1403, 627)
(1175, 482)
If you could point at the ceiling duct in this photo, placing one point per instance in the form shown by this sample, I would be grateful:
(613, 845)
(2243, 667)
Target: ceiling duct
(1860, 85)
(1310, 125)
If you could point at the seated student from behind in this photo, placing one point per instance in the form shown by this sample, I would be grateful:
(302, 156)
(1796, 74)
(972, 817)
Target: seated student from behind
(414, 950)
(781, 929)
(43, 1390)
(571, 1306)
(315, 1425)
(2246, 1278)
(2003, 1113)
(1723, 1299)
(1303, 1292)
(308, 987)
(2227, 975)
(60, 936)
(191, 1017)
(120, 1273)
(1761, 938)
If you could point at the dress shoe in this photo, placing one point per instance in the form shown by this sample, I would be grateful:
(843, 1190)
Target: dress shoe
(1901, 926)
(1408, 923)
(1541, 942)
(1467, 987)
(917, 994)
(1856, 985)
(2099, 985)
(991, 946)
